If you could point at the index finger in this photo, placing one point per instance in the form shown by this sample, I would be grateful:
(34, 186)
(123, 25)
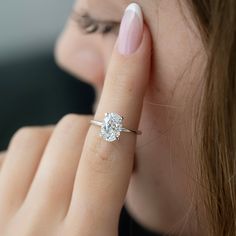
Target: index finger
(105, 167)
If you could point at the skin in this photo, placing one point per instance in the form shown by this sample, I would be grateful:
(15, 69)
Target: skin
(158, 186)
(67, 180)
(163, 187)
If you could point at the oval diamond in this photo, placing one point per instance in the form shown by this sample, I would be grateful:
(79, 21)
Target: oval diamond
(111, 127)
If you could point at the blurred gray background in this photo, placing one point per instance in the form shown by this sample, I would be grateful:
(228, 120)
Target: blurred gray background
(33, 89)
(30, 25)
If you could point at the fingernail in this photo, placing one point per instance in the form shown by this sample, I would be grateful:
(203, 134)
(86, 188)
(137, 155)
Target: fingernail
(131, 30)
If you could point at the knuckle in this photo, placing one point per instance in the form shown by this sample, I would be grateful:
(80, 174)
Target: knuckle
(72, 121)
(28, 136)
(100, 155)
(23, 134)
(69, 118)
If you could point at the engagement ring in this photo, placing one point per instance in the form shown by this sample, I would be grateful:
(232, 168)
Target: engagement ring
(112, 126)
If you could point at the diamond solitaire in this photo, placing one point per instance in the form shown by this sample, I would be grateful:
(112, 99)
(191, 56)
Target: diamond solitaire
(111, 127)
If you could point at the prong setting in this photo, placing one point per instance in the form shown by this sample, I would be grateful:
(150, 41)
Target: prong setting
(111, 127)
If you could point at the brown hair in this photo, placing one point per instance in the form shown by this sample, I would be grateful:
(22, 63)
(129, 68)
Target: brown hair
(217, 116)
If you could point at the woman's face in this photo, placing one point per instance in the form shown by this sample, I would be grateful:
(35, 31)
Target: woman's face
(163, 181)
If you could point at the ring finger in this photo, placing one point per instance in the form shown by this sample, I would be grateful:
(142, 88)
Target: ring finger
(53, 183)
(22, 158)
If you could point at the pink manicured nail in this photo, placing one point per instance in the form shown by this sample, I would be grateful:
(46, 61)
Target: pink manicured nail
(131, 30)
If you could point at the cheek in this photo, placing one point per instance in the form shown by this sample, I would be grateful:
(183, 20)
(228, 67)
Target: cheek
(84, 56)
(178, 55)
(178, 63)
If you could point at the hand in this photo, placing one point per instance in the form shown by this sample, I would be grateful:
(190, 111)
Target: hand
(67, 180)
(2, 158)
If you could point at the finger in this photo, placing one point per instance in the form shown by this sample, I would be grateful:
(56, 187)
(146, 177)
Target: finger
(2, 158)
(23, 156)
(105, 168)
(53, 183)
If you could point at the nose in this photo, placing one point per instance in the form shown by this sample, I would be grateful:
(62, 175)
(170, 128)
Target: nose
(92, 60)
(89, 66)
(81, 58)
